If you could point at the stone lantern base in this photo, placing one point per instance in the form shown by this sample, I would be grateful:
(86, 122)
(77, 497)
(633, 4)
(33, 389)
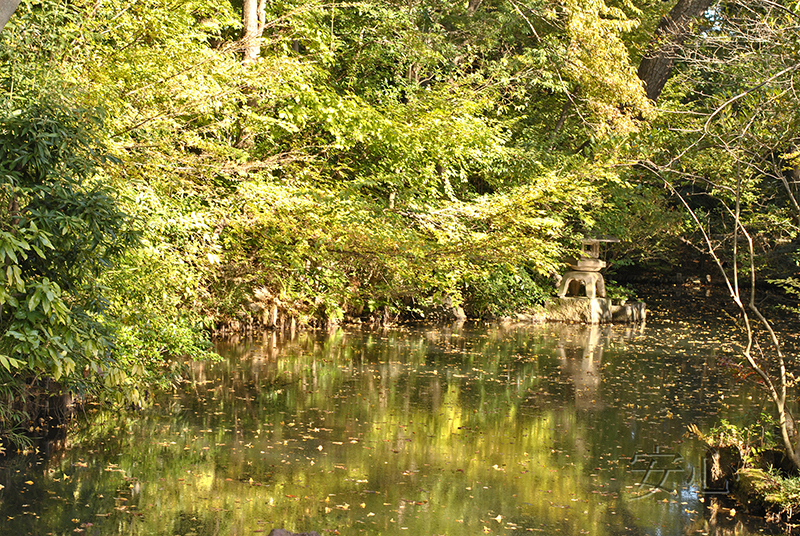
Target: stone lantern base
(581, 310)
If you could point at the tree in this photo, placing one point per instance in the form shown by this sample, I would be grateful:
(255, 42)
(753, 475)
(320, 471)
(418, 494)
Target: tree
(727, 148)
(432, 121)
(673, 30)
(60, 228)
(253, 15)
(96, 288)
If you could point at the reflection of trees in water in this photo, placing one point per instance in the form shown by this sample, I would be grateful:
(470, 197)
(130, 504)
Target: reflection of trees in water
(442, 424)
(439, 401)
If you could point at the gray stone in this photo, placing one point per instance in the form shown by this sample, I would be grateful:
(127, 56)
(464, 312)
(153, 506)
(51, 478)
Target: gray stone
(284, 532)
(588, 264)
(592, 282)
(629, 312)
(580, 310)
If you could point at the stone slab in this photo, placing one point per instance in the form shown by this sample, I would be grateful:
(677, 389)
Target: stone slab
(582, 310)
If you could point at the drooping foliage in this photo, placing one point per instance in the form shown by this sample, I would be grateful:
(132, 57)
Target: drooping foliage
(366, 115)
(60, 227)
(378, 158)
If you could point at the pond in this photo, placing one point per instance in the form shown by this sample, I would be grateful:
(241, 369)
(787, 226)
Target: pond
(464, 429)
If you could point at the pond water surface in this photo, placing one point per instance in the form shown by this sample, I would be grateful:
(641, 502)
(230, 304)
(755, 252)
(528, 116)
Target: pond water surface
(455, 430)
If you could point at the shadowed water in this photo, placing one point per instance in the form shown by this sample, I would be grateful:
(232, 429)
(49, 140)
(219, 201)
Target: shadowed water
(553, 429)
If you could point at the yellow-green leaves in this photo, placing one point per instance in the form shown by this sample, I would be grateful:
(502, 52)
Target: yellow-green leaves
(9, 363)
(598, 63)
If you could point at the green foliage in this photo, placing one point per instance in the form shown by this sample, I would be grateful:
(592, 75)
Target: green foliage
(504, 290)
(771, 490)
(790, 286)
(309, 175)
(781, 491)
(750, 440)
(84, 305)
(617, 292)
(728, 133)
(353, 256)
(379, 157)
(60, 228)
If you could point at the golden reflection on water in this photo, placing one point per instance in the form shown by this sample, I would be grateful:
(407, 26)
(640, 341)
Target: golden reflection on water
(456, 430)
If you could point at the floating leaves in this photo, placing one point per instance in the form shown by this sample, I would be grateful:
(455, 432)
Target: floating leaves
(412, 431)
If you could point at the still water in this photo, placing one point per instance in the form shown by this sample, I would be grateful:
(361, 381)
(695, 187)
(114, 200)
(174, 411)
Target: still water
(455, 430)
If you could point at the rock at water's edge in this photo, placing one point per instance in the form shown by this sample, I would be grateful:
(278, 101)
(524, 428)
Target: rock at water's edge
(284, 532)
(582, 310)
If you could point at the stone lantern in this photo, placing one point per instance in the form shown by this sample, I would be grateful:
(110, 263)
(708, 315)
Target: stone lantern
(592, 306)
(586, 272)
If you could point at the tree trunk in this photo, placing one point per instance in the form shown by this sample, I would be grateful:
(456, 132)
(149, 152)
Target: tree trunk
(656, 66)
(253, 14)
(473, 6)
(7, 8)
(560, 123)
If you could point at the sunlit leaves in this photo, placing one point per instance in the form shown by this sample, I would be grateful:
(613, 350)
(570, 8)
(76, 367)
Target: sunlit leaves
(9, 363)
(411, 133)
(597, 62)
(422, 251)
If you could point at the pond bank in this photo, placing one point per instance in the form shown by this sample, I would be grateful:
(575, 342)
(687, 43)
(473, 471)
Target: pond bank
(42, 411)
(753, 472)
